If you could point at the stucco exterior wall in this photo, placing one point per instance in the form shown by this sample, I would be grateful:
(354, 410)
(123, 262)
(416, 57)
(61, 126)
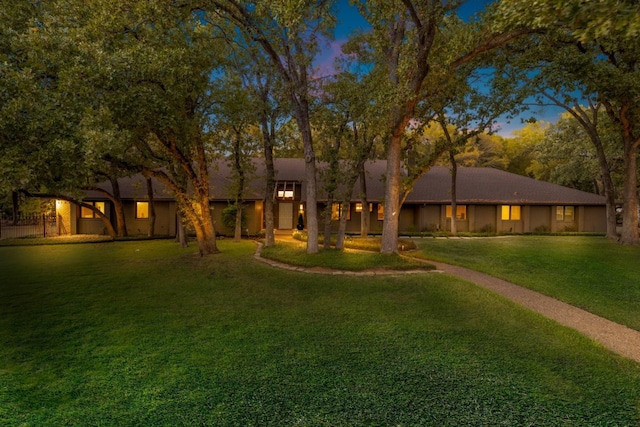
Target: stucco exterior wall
(406, 220)
(594, 219)
(428, 218)
(165, 224)
(253, 213)
(484, 218)
(539, 218)
(66, 218)
(91, 226)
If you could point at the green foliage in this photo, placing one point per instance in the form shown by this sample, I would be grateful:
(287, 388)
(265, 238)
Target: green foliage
(147, 333)
(567, 156)
(520, 149)
(365, 244)
(587, 20)
(229, 217)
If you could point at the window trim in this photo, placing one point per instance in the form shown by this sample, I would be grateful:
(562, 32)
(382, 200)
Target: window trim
(90, 213)
(562, 213)
(286, 190)
(461, 212)
(358, 207)
(137, 209)
(513, 212)
(336, 211)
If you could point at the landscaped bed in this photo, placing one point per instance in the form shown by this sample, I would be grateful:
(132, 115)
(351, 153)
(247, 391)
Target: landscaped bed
(145, 333)
(294, 252)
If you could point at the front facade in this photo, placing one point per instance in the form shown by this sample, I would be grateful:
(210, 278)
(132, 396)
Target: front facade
(488, 200)
(481, 218)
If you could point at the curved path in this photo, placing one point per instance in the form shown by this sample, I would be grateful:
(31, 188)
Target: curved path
(617, 338)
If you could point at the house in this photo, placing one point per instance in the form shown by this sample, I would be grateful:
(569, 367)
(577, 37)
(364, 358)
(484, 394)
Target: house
(488, 200)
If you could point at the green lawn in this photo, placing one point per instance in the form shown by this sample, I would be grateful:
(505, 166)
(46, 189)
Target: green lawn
(593, 273)
(295, 252)
(144, 333)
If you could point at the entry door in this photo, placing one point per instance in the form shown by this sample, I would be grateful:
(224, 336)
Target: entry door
(285, 216)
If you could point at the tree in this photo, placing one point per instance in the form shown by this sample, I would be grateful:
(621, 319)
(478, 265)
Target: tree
(235, 118)
(567, 156)
(520, 148)
(350, 127)
(124, 61)
(595, 45)
(589, 119)
(409, 42)
(288, 34)
(44, 153)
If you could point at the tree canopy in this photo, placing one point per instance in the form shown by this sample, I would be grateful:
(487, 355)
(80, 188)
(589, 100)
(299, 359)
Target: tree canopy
(93, 92)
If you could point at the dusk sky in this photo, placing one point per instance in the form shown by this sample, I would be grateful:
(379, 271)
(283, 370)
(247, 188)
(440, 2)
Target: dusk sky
(349, 19)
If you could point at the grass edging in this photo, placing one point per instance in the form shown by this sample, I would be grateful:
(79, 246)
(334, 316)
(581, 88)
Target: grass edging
(294, 253)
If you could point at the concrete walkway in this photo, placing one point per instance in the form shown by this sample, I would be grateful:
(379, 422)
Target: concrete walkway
(617, 338)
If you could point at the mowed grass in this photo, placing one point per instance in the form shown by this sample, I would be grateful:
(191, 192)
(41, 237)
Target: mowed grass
(593, 273)
(144, 333)
(295, 252)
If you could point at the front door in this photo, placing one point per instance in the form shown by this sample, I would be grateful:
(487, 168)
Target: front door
(285, 216)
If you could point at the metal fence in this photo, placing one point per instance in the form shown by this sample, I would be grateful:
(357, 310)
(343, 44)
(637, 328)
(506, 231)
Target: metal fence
(35, 225)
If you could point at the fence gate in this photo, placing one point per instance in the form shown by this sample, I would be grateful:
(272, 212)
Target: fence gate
(32, 225)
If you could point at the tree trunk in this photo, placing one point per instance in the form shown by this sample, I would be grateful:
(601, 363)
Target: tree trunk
(389, 240)
(269, 235)
(121, 222)
(15, 207)
(454, 202)
(629, 235)
(269, 221)
(607, 183)
(205, 232)
(105, 220)
(365, 216)
(239, 172)
(310, 178)
(328, 211)
(181, 234)
(342, 228)
(237, 232)
(152, 208)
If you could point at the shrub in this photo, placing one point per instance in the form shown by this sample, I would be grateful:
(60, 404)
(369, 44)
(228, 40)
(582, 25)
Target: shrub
(365, 244)
(541, 229)
(229, 217)
(487, 228)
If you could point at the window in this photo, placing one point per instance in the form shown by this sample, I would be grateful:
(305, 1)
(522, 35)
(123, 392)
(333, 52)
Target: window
(286, 190)
(336, 212)
(89, 213)
(359, 207)
(380, 212)
(510, 213)
(461, 212)
(142, 210)
(285, 194)
(564, 213)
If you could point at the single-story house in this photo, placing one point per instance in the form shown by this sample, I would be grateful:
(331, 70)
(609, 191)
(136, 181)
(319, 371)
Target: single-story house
(488, 200)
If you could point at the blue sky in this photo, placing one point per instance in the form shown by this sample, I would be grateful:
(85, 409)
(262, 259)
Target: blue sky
(349, 19)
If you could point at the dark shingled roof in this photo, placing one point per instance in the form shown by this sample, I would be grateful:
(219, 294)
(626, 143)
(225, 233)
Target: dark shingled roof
(491, 186)
(474, 185)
